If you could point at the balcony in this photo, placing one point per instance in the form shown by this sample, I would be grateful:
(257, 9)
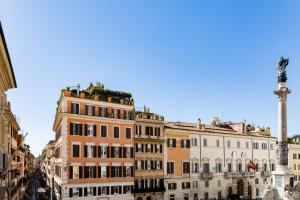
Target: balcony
(266, 174)
(228, 175)
(149, 190)
(206, 175)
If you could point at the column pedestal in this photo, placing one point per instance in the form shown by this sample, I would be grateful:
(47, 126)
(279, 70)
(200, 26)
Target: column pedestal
(281, 181)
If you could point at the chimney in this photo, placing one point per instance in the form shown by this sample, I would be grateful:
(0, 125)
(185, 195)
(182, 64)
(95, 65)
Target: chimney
(199, 124)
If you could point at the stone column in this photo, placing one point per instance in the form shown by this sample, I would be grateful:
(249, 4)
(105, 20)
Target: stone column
(282, 93)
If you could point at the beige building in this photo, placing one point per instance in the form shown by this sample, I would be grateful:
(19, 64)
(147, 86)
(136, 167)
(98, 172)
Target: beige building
(294, 157)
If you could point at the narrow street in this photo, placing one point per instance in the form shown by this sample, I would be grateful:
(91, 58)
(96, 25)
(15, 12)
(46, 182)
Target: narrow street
(36, 181)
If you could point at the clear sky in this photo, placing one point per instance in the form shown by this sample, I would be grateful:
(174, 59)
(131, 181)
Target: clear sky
(183, 59)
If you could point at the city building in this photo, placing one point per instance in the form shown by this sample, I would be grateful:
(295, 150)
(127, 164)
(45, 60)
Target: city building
(149, 156)
(294, 156)
(94, 144)
(213, 161)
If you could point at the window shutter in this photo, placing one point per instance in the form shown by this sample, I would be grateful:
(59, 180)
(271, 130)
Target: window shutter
(120, 171)
(94, 151)
(155, 148)
(174, 143)
(72, 107)
(168, 168)
(99, 191)
(161, 146)
(94, 169)
(80, 129)
(108, 171)
(99, 151)
(71, 128)
(93, 110)
(151, 148)
(85, 151)
(131, 152)
(94, 191)
(136, 147)
(80, 171)
(85, 129)
(131, 189)
(70, 192)
(95, 129)
(124, 171)
(108, 152)
(107, 190)
(120, 189)
(85, 192)
(120, 152)
(152, 164)
(168, 142)
(136, 164)
(112, 152)
(99, 171)
(70, 172)
(188, 143)
(80, 192)
(86, 109)
(131, 171)
(124, 152)
(77, 108)
(142, 147)
(85, 172)
(142, 163)
(182, 143)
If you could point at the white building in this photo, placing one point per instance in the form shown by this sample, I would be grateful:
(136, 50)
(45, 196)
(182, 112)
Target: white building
(218, 156)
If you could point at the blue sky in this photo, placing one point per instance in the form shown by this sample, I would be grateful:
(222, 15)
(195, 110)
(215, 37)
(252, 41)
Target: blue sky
(184, 60)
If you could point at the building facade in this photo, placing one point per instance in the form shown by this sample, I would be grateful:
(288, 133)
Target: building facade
(94, 144)
(212, 161)
(149, 156)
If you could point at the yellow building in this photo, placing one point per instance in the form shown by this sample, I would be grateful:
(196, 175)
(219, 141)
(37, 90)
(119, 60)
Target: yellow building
(149, 158)
(294, 157)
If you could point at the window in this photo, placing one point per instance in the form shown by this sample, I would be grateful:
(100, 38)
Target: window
(76, 172)
(206, 183)
(172, 197)
(115, 152)
(218, 167)
(186, 167)
(149, 131)
(75, 129)
(89, 151)
(228, 143)
(90, 110)
(103, 131)
(218, 143)
(295, 167)
(194, 142)
(126, 189)
(104, 153)
(139, 164)
(299, 156)
(139, 147)
(158, 148)
(265, 167)
(195, 167)
(219, 183)
(103, 112)
(229, 167)
(195, 184)
(205, 167)
(76, 150)
(116, 132)
(171, 142)
(272, 167)
(127, 152)
(298, 166)
(238, 144)
(206, 196)
(247, 145)
(115, 190)
(148, 183)
(264, 146)
(128, 171)
(255, 145)
(219, 195)
(90, 130)
(128, 133)
(186, 196)
(149, 148)
(239, 167)
(75, 108)
(103, 171)
(172, 186)
(271, 146)
(257, 192)
(195, 196)
(138, 130)
(89, 171)
(170, 167)
(294, 156)
(158, 164)
(157, 131)
(149, 164)
(104, 190)
(205, 142)
(185, 143)
(186, 185)
(115, 172)
(256, 181)
(74, 192)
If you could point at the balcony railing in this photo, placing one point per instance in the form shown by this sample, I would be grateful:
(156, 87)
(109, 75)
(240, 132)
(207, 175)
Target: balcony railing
(102, 114)
(149, 190)
(206, 175)
(238, 174)
(266, 174)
